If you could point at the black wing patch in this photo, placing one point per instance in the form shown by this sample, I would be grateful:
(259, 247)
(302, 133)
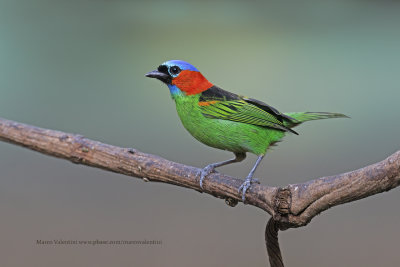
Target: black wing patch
(217, 94)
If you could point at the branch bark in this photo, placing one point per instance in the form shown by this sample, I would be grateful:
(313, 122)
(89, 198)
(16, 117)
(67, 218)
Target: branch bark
(291, 206)
(271, 241)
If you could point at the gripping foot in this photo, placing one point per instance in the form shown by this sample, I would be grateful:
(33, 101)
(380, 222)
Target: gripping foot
(206, 171)
(246, 185)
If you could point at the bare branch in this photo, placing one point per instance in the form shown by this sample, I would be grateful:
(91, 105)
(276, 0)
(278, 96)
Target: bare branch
(291, 206)
(81, 150)
(313, 197)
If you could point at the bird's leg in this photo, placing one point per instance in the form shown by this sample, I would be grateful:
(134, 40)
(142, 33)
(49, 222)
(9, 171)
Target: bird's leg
(249, 180)
(211, 167)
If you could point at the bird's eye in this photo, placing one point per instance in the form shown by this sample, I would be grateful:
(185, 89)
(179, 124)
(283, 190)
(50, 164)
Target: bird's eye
(174, 70)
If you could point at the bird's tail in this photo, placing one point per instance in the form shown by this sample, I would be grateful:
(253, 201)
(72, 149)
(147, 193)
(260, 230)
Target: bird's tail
(300, 117)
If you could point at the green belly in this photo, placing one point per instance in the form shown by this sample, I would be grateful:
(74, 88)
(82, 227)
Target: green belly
(225, 134)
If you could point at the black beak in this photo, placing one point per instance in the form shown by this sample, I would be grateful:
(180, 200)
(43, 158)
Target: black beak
(165, 78)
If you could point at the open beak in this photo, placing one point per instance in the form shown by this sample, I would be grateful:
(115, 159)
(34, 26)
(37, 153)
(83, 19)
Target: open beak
(159, 75)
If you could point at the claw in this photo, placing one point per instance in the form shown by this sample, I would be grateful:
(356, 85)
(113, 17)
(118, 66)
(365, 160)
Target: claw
(246, 185)
(204, 172)
(211, 167)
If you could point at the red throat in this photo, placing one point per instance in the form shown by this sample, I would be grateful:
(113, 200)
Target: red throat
(191, 82)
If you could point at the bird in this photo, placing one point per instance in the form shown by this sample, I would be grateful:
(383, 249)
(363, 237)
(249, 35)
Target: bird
(226, 120)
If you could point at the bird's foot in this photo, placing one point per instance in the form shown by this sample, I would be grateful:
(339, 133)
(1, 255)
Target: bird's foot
(246, 185)
(204, 172)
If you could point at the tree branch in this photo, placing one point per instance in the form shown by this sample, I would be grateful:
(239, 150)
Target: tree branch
(291, 206)
(128, 161)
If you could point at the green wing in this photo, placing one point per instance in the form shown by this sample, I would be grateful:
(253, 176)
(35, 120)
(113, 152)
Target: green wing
(223, 105)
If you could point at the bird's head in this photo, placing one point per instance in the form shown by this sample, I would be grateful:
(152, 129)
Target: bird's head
(181, 77)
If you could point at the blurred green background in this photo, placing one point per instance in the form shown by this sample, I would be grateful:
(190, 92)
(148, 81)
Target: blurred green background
(78, 66)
